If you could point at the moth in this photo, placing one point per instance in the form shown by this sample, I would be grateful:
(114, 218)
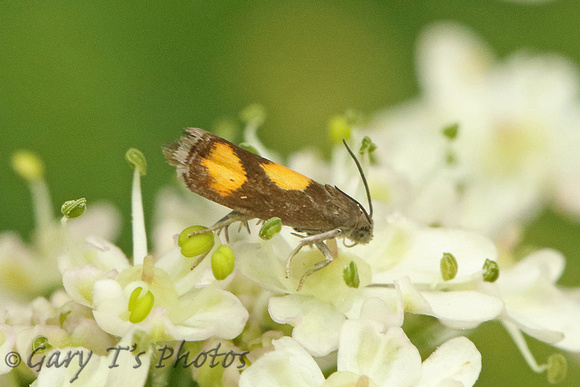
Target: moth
(254, 187)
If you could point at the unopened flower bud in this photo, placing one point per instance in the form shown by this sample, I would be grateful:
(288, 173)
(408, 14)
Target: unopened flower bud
(270, 228)
(350, 275)
(449, 267)
(74, 208)
(490, 271)
(137, 160)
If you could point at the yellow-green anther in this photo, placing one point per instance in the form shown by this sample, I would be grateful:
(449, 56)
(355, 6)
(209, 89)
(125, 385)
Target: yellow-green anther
(133, 298)
(557, 368)
(339, 129)
(184, 236)
(490, 271)
(222, 262)
(41, 342)
(140, 305)
(253, 114)
(350, 275)
(250, 148)
(195, 245)
(74, 208)
(450, 131)
(28, 165)
(448, 266)
(137, 160)
(270, 228)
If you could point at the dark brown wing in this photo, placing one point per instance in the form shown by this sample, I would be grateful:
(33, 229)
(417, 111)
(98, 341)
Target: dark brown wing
(249, 184)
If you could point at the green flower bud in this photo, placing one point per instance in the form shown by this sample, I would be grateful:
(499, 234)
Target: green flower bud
(41, 343)
(137, 160)
(270, 228)
(139, 305)
(196, 244)
(74, 208)
(450, 131)
(490, 271)
(222, 262)
(250, 148)
(28, 165)
(449, 267)
(557, 367)
(253, 114)
(350, 275)
(339, 129)
(368, 146)
(226, 128)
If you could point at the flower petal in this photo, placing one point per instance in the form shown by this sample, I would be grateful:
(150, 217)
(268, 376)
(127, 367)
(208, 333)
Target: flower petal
(463, 309)
(316, 323)
(214, 312)
(456, 360)
(289, 365)
(416, 251)
(389, 359)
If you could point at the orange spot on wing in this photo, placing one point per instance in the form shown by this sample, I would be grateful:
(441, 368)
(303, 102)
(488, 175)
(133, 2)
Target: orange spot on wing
(285, 178)
(224, 168)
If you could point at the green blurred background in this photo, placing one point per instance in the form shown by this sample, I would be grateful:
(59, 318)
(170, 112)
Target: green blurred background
(82, 81)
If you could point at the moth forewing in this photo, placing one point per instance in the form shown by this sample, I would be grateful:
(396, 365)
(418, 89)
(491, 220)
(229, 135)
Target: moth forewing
(254, 187)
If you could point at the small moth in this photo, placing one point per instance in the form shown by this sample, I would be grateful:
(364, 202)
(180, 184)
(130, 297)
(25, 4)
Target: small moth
(254, 187)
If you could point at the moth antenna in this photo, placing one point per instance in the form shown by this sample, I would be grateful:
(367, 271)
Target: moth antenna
(362, 175)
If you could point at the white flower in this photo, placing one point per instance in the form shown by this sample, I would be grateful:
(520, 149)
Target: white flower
(535, 304)
(57, 322)
(518, 128)
(317, 311)
(403, 256)
(365, 353)
(119, 368)
(407, 256)
(29, 270)
(162, 297)
(7, 342)
(196, 315)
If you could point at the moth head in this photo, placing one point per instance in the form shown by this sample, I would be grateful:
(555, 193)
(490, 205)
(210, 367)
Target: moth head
(362, 232)
(361, 235)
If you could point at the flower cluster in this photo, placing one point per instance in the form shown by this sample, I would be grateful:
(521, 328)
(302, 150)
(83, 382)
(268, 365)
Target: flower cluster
(455, 175)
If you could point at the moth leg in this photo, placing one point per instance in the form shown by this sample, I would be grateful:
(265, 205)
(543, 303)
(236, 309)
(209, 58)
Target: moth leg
(318, 240)
(318, 265)
(224, 223)
(244, 223)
